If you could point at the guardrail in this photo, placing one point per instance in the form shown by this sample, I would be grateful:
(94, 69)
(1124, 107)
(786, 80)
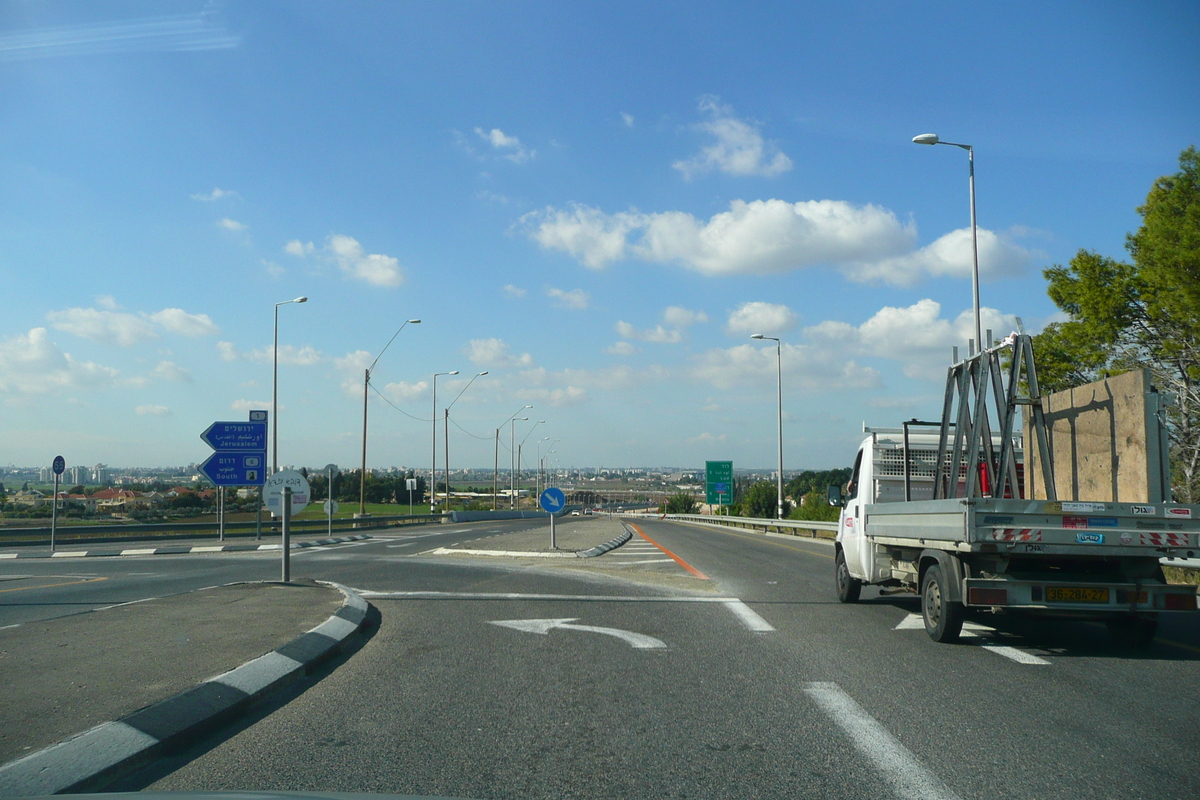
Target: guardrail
(102, 532)
(792, 527)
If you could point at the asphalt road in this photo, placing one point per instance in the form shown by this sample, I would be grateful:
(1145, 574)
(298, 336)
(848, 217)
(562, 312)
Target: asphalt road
(763, 686)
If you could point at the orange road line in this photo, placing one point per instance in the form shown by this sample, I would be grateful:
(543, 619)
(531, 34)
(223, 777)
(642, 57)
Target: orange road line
(49, 585)
(678, 560)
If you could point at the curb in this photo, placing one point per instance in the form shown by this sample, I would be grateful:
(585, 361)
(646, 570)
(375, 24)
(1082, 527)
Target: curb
(90, 759)
(601, 549)
(178, 551)
(789, 536)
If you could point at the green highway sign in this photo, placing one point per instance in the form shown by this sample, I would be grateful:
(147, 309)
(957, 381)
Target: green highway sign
(718, 482)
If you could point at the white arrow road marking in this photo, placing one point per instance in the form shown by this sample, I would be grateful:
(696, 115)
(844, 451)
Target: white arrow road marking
(637, 641)
(973, 630)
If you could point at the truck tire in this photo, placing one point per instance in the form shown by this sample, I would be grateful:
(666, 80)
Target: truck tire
(943, 618)
(848, 587)
(1132, 631)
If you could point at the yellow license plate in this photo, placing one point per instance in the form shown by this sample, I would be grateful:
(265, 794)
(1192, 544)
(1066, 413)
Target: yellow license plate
(1076, 594)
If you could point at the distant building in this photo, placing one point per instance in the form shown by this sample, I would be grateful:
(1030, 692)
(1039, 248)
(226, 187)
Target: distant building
(100, 474)
(79, 475)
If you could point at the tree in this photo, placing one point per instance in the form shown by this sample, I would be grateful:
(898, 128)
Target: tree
(680, 503)
(761, 500)
(1142, 315)
(815, 507)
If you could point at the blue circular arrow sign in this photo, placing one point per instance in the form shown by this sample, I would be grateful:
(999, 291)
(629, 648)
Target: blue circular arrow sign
(552, 500)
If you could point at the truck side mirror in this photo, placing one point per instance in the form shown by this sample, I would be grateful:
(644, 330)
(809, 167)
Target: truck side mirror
(834, 493)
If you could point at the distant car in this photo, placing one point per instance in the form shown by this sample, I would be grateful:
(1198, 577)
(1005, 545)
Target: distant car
(575, 513)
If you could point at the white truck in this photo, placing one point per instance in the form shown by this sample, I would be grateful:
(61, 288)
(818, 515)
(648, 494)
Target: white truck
(963, 543)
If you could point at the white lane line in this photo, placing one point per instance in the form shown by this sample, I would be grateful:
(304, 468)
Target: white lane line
(9, 555)
(748, 616)
(895, 762)
(6, 627)
(974, 630)
(643, 561)
(602, 598)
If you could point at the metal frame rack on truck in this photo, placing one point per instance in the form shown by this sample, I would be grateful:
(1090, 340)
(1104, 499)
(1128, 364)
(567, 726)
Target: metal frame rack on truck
(945, 514)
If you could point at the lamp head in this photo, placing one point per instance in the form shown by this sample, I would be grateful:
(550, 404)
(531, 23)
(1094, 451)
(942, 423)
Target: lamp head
(414, 322)
(481, 374)
(300, 300)
(454, 372)
(756, 336)
(926, 138)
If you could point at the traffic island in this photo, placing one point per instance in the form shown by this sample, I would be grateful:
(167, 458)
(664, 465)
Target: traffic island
(93, 696)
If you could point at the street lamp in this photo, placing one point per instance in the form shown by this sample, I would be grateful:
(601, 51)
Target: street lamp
(779, 378)
(446, 433)
(275, 387)
(433, 460)
(537, 482)
(932, 138)
(522, 444)
(496, 467)
(362, 478)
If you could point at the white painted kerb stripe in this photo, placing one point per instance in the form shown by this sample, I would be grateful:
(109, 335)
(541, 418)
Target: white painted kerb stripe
(748, 616)
(1020, 656)
(895, 762)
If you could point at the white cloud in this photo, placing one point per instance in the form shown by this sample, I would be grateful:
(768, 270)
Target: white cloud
(738, 148)
(124, 329)
(298, 248)
(230, 224)
(253, 405)
(273, 269)
(757, 237)
(807, 368)
(706, 438)
(376, 269)
(108, 327)
(622, 349)
(513, 291)
(948, 256)
(306, 356)
(681, 317)
(916, 336)
(565, 396)
(403, 391)
(515, 151)
(107, 302)
(575, 298)
(215, 194)
(152, 411)
(495, 353)
(758, 317)
(656, 335)
(32, 364)
(627, 119)
(170, 371)
(176, 320)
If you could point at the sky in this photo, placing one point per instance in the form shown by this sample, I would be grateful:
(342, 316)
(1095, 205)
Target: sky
(595, 203)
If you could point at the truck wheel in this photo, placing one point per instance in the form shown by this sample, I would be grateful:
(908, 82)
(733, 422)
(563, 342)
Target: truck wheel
(943, 618)
(1132, 631)
(848, 587)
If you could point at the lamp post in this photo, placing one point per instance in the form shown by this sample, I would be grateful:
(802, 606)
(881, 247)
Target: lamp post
(779, 379)
(932, 138)
(275, 387)
(433, 460)
(446, 433)
(512, 454)
(496, 468)
(540, 463)
(522, 444)
(362, 478)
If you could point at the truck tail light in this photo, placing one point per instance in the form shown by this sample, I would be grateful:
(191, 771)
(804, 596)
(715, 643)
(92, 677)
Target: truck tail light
(979, 596)
(1180, 602)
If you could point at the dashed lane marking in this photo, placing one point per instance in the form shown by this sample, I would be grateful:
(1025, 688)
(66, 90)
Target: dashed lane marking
(974, 630)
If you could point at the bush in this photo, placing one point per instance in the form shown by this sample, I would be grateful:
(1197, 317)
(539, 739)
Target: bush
(680, 503)
(815, 508)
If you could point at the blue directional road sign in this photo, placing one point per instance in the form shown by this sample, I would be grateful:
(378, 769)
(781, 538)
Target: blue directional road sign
(237, 436)
(226, 468)
(552, 500)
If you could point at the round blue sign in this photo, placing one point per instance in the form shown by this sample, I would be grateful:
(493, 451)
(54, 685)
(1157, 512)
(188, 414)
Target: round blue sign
(60, 465)
(552, 500)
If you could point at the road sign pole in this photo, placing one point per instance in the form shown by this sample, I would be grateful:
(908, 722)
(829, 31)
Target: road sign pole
(220, 513)
(330, 484)
(54, 513)
(553, 543)
(285, 512)
(258, 519)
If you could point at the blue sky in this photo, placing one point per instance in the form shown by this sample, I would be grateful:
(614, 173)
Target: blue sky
(596, 203)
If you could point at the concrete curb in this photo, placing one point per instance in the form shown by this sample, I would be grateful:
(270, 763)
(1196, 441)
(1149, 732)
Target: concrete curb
(88, 760)
(788, 536)
(179, 551)
(601, 549)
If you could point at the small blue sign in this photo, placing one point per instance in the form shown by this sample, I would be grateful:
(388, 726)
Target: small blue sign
(1089, 538)
(721, 488)
(552, 500)
(1102, 522)
(239, 436)
(60, 465)
(236, 469)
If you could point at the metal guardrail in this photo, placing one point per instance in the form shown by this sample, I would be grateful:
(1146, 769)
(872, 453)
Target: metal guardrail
(270, 527)
(793, 527)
